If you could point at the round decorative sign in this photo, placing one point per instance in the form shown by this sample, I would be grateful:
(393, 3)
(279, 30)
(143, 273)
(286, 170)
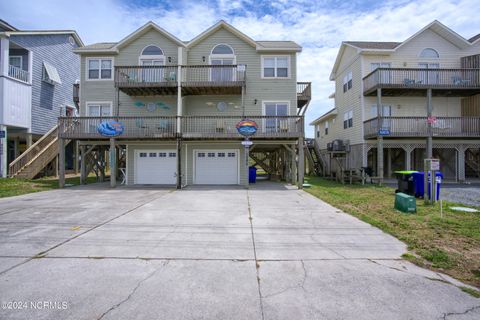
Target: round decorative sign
(247, 127)
(151, 107)
(110, 128)
(221, 106)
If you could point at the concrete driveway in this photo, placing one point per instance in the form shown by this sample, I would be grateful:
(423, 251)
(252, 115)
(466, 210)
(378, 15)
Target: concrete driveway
(272, 252)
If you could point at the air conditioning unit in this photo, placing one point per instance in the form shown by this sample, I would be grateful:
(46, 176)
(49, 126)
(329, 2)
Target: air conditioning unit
(338, 145)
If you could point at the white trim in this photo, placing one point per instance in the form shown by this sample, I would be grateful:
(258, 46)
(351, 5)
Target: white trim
(100, 68)
(152, 45)
(97, 103)
(16, 56)
(222, 44)
(289, 69)
(276, 102)
(186, 165)
(432, 58)
(194, 154)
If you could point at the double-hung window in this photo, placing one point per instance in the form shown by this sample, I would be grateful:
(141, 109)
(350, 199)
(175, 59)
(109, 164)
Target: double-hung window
(347, 81)
(100, 69)
(97, 109)
(275, 66)
(348, 119)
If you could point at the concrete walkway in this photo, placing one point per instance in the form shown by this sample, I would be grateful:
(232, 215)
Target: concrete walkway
(272, 252)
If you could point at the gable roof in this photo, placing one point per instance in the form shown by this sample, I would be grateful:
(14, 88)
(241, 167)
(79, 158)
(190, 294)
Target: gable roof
(474, 38)
(144, 29)
(7, 26)
(327, 115)
(278, 46)
(73, 33)
(217, 26)
(385, 47)
(373, 45)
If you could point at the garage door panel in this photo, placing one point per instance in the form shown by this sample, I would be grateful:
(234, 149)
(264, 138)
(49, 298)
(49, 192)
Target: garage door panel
(155, 166)
(216, 167)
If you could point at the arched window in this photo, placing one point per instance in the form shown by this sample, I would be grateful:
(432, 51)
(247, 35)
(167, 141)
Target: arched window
(152, 51)
(429, 53)
(223, 49)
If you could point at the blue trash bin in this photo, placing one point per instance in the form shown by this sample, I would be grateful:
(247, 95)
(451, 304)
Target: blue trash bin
(252, 175)
(419, 184)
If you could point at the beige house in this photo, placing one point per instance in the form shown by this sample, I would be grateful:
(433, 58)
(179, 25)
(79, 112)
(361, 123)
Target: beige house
(397, 103)
(178, 104)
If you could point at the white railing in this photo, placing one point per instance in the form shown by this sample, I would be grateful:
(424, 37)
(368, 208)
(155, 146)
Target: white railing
(18, 73)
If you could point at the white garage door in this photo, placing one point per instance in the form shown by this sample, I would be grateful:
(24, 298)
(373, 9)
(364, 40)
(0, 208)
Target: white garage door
(155, 166)
(216, 166)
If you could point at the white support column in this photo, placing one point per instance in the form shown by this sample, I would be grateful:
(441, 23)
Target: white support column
(113, 163)
(379, 137)
(4, 56)
(179, 91)
(408, 158)
(30, 66)
(3, 153)
(389, 162)
(429, 125)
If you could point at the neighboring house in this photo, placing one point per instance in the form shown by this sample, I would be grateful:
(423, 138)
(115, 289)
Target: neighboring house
(428, 88)
(37, 71)
(179, 103)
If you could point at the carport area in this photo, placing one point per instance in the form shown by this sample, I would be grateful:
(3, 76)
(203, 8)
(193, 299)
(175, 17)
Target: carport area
(271, 252)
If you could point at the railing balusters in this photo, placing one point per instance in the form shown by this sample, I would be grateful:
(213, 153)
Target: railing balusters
(18, 73)
(418, 127)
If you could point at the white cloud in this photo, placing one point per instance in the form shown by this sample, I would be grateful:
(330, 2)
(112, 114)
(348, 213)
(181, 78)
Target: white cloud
(319, 26)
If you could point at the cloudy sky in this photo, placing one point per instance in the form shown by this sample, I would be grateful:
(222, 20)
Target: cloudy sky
(318, 25)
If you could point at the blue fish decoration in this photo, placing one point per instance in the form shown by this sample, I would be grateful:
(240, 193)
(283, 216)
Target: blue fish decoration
(110, 128)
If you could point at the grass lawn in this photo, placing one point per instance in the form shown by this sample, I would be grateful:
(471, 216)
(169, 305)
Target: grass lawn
(450, 244)
(10, 187)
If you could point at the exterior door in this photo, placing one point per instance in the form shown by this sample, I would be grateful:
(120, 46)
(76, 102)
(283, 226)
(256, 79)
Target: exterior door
(429, 76)
(152, 74)
(274, 110)
(97, 110)
(155, 166)
(222, 74)
(216, 166)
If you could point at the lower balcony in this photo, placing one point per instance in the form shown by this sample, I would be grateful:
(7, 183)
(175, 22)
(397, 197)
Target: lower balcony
(417, 127)
(193, 127)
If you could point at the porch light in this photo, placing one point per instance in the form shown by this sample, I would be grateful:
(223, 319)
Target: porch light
(203, 58)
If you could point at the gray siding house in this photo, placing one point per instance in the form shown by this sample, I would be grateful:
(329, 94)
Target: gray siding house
(37, 71)
(179, 103)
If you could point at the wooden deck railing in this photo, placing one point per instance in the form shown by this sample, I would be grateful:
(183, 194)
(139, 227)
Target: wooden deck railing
(213, 75)
(18, 73)
(417, 78)
(134, 127)
(201, 127)
(448, 127)
(304, 90)
(166, 76)
(225, 126)
(145, 76)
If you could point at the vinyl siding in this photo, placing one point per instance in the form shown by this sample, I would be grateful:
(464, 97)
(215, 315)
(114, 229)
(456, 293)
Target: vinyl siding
(48, 101)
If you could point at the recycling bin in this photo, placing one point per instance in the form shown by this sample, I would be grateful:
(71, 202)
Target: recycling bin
(252, 175)
(419, 187)
(405, 181)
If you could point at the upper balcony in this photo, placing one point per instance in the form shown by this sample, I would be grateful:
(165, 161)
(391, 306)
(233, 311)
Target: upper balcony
(304, 93)
(195, 80)
(192, 127)
(417, 127)
(415, 81)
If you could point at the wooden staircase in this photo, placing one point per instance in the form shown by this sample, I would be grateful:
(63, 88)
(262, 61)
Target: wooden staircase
(472, 163)
(37, 157)
(315, 158)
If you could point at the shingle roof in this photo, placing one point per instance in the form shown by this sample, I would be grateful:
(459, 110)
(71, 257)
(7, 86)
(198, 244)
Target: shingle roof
(278, 44)
(474, 38)
(98, 46)
(374, 44)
